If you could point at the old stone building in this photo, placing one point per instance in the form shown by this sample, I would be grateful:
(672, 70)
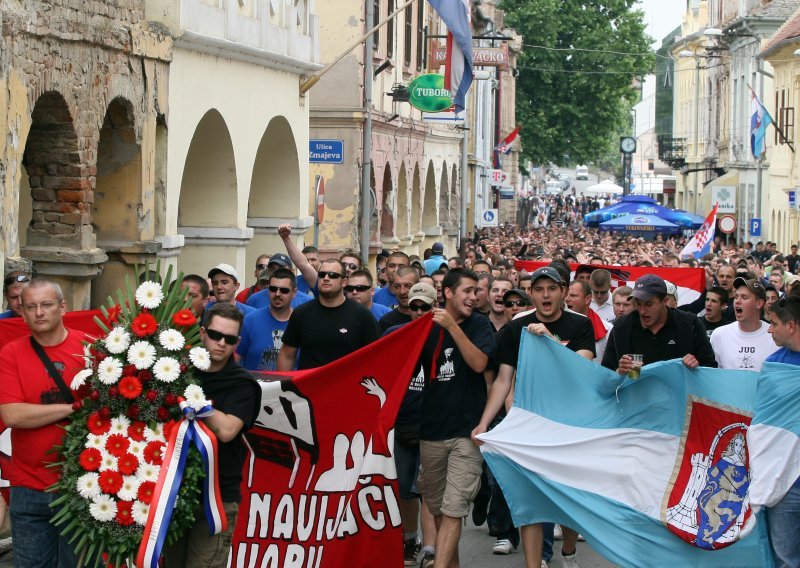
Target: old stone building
(141, 129)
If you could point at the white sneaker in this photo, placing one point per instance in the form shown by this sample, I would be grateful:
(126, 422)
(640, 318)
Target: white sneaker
(545, 564)
(570, 561)
(557, 534)
(503, 546)
(580, 538)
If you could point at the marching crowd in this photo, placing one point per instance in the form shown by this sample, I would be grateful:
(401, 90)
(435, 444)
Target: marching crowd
(302, 311)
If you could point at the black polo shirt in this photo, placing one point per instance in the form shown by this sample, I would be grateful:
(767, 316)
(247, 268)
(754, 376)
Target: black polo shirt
(683, 333)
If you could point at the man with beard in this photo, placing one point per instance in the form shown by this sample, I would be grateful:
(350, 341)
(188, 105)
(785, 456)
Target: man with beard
(262, 331)
(572, 330)
(452, 402)
(328, 327)
(403, 280)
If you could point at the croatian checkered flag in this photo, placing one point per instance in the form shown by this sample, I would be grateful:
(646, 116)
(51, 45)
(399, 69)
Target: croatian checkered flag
(700, 244)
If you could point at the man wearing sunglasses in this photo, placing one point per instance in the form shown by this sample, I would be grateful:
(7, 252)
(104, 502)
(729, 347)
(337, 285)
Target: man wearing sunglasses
(12, 291)
(328, 327)
(237, 400)
(360, 288)
(261, 265)
(600, 287)
(262, 331)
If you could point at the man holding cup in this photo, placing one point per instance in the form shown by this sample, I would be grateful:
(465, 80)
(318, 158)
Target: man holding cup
(656, 331)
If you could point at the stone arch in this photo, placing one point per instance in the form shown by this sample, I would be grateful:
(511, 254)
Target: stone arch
(402, 226)
(416, 201)
(444, 197)
(117, 211)
(207, 207)
(429, 213)
(389, 205)
(59, 187)
(455, 201)
(275, 181)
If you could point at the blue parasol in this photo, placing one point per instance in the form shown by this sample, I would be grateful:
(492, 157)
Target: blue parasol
(643, 205)
(641, 224)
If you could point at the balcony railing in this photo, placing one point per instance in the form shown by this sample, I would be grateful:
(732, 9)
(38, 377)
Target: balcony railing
(672, 151)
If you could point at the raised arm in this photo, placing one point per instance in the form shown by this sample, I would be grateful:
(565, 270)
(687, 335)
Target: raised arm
(297, 256)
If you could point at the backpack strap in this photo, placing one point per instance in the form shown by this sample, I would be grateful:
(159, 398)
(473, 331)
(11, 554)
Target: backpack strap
(66, 394)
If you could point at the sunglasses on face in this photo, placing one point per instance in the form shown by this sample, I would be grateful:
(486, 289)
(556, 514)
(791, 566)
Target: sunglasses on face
(12, 279)
(280, 289)
(420, 307)
(599, 292)
(357, 288)
(260, 266)
(217, 335)
(350, 266)
(512, 303)
(327, 274)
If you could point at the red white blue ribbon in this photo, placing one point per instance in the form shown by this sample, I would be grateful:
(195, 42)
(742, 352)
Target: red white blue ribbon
(189, 431)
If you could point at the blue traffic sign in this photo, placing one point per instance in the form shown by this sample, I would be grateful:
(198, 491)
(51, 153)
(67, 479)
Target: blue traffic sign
(792, 199)
(326, 151)
(755, 227)
(488, 215)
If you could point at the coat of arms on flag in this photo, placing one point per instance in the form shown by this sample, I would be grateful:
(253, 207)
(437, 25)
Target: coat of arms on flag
(706, 502)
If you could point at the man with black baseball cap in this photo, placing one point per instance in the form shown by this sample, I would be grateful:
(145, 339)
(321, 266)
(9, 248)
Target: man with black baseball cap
(656, 331)
(570, 329)
(745, 343)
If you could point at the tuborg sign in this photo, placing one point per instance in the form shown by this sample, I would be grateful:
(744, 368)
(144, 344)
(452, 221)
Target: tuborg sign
(427, 93)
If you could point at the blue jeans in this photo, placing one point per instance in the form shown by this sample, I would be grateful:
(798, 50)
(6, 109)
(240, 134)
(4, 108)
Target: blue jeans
(37, 543)
(784, 526)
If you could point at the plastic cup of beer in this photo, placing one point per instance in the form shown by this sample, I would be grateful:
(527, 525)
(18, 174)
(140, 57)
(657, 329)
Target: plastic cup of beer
(634, 373)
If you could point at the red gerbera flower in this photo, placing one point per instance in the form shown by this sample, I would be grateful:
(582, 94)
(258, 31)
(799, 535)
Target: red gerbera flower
(125, 513)
(127, 464)
(145, 493)
(98, 424)
(130, 387)
(154, 453)
(162, 413)
(136, 431)
(144, 325)
(167, 428)
(117, 445)
(184, 318)
(110, 481)
(90, 459)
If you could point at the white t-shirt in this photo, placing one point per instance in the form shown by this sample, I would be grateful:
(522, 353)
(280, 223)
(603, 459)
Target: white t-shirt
(737, 349)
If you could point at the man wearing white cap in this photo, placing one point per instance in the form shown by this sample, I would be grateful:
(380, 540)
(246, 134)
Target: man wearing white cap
(225, 282)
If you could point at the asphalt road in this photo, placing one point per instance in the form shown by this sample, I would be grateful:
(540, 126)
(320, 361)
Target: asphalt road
(475, 551)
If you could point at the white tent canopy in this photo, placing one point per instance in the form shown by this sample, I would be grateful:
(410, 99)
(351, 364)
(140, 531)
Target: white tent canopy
(604, 187)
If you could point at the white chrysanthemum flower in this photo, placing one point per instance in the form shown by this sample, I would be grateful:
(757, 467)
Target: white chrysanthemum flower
(108, 462)
(117, 340)
(80, 378)
(154, 434)
(142, 355)
(200, 358)
(103, 508)
(119, 425)
(167, 369)
(109, 371)
(149, 295)
(171, 339)
(195, 397)
(147, 472)
(95, 441)
(130, 485)
(140, 512)
(88, 485)
(136, 448)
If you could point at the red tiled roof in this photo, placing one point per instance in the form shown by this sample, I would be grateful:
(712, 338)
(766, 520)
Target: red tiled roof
(788, 31)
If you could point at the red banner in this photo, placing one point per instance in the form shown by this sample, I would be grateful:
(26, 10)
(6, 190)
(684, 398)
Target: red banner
(691, 282)
(319, 484)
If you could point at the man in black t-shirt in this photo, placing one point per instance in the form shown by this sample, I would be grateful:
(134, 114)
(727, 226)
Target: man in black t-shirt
(328, 327)
(405, 277)
(716, 302)
(237, 397)
(570, 329)
(452, 401)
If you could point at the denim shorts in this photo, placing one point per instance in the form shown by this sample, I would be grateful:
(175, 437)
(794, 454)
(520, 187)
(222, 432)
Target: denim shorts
(406, 460)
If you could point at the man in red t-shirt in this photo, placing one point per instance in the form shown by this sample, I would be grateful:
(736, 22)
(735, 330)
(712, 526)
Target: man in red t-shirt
(34, 407)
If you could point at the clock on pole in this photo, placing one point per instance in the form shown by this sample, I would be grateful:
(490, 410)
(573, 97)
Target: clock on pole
(627, 145)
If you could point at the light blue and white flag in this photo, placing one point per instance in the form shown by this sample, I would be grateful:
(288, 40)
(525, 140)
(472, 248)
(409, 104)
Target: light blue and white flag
(458, 54)
(667, 470)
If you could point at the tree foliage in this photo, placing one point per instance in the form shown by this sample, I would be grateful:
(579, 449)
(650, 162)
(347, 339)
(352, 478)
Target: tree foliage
(569, 101)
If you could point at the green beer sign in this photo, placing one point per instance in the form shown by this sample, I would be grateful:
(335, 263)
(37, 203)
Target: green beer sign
(427, 93)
